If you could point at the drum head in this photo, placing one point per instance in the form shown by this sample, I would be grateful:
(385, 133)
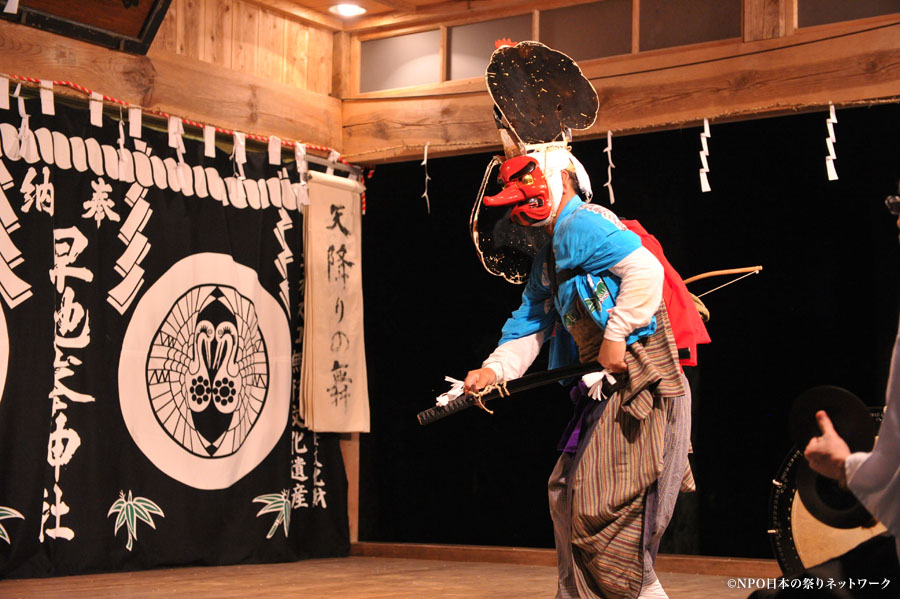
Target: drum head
(847, 412)
(800, 539)
(822, 496)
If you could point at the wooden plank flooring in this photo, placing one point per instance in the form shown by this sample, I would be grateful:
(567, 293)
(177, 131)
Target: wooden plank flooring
(339, 578)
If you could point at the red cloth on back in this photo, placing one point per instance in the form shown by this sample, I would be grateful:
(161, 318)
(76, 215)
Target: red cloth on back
(687, 326)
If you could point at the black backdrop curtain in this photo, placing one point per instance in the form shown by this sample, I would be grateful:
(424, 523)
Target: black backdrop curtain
(152, 322)
(823, 311)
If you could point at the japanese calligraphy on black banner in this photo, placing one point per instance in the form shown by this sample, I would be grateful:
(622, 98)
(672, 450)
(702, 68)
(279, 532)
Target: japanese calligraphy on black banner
(151, 300)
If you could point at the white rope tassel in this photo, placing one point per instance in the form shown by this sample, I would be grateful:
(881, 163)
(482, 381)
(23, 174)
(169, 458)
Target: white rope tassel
(427, 179)
(829, 141)
(456, 389)
(704, 153)
(609, 168)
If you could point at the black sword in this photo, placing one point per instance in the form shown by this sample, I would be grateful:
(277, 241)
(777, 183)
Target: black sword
(529, 381)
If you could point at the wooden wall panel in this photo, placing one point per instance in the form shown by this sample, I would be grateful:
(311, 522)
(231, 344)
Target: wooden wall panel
(167, 35)
(660, 90)
(189, 27)
(217, 32)
(245, 37)
(296, 42)
(249, 38)
(320, 49)
(270, 51)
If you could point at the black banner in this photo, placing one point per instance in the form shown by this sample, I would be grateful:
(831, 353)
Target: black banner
(150, 356)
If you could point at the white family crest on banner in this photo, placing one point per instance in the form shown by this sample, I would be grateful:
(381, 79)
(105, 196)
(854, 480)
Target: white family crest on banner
(205, 372)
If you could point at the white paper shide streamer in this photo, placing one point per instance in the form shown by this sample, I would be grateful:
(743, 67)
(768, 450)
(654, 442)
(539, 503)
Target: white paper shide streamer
(829, 141)
(176, 141)
(609, 168)
(47, 106)
(274, 150)
(427, 179)
(96, 106)
(704, 154)
(303, 172)
(239, 154)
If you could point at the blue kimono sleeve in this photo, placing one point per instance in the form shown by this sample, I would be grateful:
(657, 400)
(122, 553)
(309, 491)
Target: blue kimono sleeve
(537, 312)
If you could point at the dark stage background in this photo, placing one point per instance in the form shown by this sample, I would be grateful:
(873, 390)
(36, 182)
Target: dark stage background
(823, 311)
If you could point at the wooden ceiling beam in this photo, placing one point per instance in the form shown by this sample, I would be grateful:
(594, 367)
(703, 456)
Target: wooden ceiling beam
(305, 15)
(453, 13)
(401, 5)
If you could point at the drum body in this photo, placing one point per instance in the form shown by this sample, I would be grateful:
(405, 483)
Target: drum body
(799, 540)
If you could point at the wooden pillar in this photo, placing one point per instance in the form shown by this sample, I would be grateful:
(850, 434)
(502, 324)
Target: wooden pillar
(635, 26)
(350, 453)
(444, 53)
(764, 19)
(341, 75)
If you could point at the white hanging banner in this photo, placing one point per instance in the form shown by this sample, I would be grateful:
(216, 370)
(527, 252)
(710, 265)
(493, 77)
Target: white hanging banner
(704, 153)
(274, 150)
(4, 93)
(135, 115)
(96, 105)
(829, 141)
(209, 141)
(47, 106)
(334, 388)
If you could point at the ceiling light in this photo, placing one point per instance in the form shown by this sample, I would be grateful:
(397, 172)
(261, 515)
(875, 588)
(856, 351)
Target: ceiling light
(347, 10)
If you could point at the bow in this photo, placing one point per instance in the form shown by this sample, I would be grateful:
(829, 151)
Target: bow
(744, 272)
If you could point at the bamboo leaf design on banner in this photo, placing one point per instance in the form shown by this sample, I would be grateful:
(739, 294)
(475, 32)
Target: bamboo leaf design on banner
(7, 512)
(276, 502)
(130, 510)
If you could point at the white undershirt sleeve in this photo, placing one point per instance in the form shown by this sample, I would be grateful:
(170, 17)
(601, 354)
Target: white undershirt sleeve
(511, 359)
(640, 293)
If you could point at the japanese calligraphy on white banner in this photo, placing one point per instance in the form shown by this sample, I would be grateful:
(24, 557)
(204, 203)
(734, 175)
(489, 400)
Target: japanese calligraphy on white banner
(334, 393)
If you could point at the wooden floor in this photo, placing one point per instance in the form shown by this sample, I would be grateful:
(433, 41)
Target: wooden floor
(339, 578)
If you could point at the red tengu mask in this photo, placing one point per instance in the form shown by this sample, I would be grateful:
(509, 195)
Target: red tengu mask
(526, 187)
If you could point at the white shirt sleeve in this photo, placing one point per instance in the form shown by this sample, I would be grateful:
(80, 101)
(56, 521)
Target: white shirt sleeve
(640, 293)
(511, 359)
